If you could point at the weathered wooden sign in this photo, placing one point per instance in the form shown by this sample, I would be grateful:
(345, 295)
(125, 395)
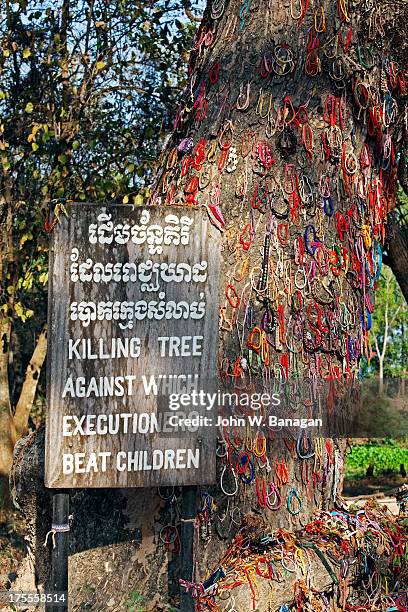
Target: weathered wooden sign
(133, 318)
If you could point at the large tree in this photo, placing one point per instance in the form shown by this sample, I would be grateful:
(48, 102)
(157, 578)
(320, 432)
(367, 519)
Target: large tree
(290, 134)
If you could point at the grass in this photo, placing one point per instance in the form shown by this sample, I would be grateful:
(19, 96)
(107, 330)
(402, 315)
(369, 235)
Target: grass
(134, 602)
(385, 455)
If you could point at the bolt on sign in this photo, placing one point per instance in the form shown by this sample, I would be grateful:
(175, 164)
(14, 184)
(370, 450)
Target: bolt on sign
(133, 322)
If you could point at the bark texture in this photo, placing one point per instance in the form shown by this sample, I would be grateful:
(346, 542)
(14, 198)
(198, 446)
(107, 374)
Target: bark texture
(397, 251)
(27, 395)
(290, 134)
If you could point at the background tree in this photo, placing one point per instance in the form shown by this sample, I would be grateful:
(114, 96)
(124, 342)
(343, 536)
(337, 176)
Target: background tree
(87, 94)
(388, 330)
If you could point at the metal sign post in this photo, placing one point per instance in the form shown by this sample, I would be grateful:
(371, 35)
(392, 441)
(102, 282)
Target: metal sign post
(188, 511)
(60, 541)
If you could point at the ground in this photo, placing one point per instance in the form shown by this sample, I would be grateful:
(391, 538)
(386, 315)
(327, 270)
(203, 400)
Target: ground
(103, 578)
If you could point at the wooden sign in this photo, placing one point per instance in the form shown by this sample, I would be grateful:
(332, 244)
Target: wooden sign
(133, 320)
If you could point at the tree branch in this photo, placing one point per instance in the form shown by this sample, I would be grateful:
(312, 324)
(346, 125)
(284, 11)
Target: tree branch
(385, 341)
(377, 348)
(8, 435)
(28, 391)
(395, 315)
(189, 13)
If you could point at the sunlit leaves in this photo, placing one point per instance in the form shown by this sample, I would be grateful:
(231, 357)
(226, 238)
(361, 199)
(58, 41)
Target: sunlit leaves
(22, 312)
(84, 110)
(43, 279)
(5, 163)
(138, 200)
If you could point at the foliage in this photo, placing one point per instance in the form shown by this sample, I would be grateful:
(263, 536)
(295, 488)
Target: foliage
(402, 206)
(134, 602)
(87, 92)
(389, 318)
(388, 331)
(88, 89)
(383, 455)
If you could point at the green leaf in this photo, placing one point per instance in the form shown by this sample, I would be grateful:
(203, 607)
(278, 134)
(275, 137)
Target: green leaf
(43, 278)
(24, 238)
(29, 107)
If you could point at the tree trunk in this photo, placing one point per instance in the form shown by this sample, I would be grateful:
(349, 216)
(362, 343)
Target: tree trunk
(397, 251)
(274, 143)
(8, 435)
(277, 136)
(381, 375)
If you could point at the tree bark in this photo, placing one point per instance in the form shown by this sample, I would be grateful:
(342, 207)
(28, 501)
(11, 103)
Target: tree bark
(27, 395)
(8, 434)
(278, 144)
(397, 251)
(276, 137)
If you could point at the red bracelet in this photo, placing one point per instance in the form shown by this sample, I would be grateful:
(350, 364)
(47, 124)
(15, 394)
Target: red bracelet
(231, 290)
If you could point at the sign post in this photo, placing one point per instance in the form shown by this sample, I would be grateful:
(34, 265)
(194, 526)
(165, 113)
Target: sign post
(188, 510)
(59, 569)
(133, 324)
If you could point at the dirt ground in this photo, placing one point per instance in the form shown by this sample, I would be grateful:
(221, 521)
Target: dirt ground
(381, 498)
(382, 488)
(92, 570)
(12, 547)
